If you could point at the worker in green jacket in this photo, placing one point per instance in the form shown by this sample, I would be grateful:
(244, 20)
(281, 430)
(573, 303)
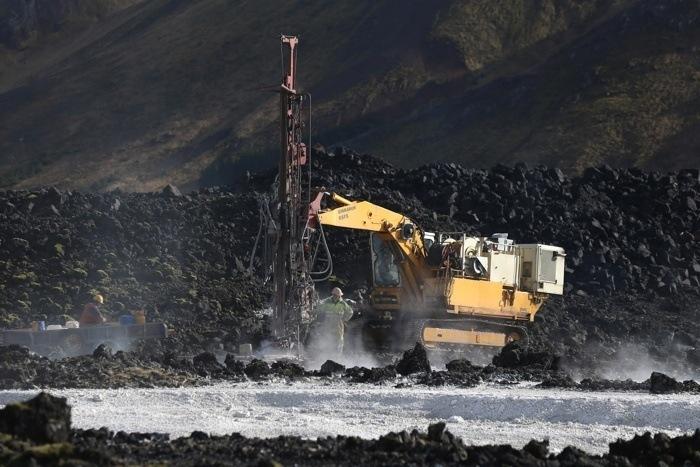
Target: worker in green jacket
(331, 316)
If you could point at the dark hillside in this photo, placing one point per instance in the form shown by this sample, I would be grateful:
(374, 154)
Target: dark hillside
(169, 90)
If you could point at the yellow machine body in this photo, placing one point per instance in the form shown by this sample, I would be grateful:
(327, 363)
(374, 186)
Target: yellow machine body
(485, 298)
(461, 301)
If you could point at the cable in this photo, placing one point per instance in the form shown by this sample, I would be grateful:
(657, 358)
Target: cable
(257, 237)
(329, 268)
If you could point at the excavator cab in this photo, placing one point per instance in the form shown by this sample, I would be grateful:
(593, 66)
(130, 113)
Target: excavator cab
(386, 274)
(385, 266)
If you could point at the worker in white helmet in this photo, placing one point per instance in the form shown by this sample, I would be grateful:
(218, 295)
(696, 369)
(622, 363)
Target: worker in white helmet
(331, 316)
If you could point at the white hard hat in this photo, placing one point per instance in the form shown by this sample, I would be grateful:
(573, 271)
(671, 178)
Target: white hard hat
(337, 292)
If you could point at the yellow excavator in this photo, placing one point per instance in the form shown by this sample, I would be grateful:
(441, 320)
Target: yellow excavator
(452, 289)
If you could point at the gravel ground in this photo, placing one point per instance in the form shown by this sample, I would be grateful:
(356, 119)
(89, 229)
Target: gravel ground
(482, 415)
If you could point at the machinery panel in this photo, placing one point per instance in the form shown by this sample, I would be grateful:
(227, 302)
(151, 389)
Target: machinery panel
(542, 268)
(503, 268)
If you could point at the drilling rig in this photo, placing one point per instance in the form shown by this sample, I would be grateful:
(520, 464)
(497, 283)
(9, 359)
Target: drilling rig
(448, 290)
(287, 255)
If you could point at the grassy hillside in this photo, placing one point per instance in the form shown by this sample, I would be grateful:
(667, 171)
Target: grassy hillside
(159, 91)
(624, 92)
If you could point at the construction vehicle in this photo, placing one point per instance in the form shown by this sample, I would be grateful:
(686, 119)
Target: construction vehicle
(448, 289)
(445, 289)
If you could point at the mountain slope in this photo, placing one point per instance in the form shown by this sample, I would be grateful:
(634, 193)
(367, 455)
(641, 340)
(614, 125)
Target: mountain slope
(172, 90)
(625, 93)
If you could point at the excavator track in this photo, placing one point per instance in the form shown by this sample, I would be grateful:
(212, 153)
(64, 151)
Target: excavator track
(451, 334)
(459, 333)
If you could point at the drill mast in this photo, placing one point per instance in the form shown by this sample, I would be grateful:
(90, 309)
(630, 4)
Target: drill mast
(293, 287)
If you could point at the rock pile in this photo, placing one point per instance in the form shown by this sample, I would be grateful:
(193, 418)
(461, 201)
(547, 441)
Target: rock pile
(621, 334)
(177, 257)
(631, 237)
(52, 442)
(623, 229)
(22, 369)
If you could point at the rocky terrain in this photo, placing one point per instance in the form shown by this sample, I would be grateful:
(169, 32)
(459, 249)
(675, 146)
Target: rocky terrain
(39, 432)
(178, 257)
(631, 238)
(149, 368)
(173, 91)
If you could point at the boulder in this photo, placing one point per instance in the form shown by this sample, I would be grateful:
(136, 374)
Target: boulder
(663, 384)
(257, 369)
(171, 191)
(43, 419)
(103, 352)
(330, 367)
(414, 361)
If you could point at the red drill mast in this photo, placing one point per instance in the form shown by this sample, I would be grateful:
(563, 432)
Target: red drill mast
(293, 287)
(294, 242)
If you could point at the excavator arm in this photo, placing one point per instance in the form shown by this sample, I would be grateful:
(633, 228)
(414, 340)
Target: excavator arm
(394, 228)
(363, 215)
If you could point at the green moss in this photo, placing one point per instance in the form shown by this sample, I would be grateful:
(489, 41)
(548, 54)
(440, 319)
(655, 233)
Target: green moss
(9, 320)
(50, 451)
(79, 273)
(58, 248)
(25, 277)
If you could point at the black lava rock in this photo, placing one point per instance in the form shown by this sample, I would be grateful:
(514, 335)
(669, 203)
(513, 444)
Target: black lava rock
(206, 364)
(660, 383)
(288, 369)
(43, 419)
(513, 355)
(414, 361)
(371, 375)
(257, 369)
(330, 367)
(103, 352)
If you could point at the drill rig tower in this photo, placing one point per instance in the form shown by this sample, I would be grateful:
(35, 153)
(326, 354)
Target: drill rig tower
(293, 286)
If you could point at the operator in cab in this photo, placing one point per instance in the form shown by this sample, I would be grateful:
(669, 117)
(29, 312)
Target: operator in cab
(91, 314)
(331, 316)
